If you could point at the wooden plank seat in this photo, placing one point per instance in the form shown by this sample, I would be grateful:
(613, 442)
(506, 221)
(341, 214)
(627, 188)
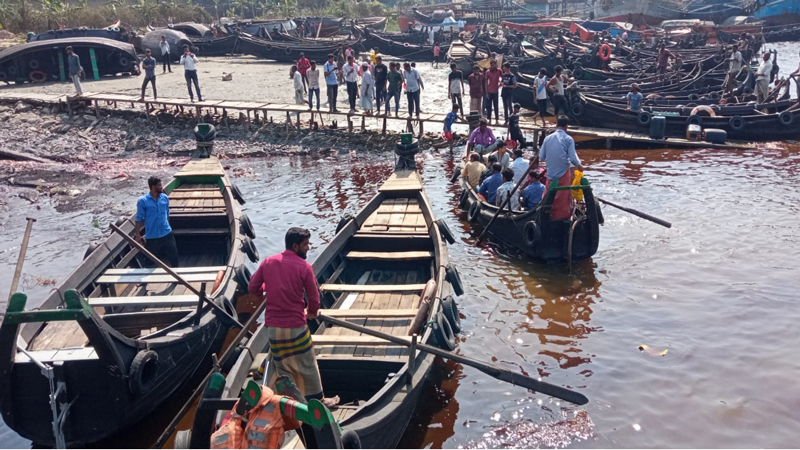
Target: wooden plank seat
(166, 278)
(191, 231)
(159, 271)
(161, 301)
(343, 313)
(412, 255)
(372, 287)
(332, 339)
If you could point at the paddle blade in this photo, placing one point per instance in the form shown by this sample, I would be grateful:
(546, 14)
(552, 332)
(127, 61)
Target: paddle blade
(552, 390)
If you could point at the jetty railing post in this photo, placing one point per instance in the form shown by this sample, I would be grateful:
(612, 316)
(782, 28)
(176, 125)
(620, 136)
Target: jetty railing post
(202, 299)
(412, 357)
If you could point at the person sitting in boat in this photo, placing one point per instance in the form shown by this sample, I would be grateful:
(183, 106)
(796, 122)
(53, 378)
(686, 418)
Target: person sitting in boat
(558, 151)
(533, 194)
(287, 279)
(503, 157)
(482, 139)
(634, 98)
(488, 189)
(519, 166)
(504, 191)
(152, 211)
(488, 171)
(473, 170)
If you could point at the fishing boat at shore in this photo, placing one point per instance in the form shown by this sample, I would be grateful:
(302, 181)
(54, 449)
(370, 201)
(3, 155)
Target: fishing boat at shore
(117, 338)
(282, 51)
(386, 269)
(534, 232)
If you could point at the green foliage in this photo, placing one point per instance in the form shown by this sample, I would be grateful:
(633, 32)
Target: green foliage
(353, 10)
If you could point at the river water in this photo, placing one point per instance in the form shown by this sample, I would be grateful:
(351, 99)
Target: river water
(717, 292)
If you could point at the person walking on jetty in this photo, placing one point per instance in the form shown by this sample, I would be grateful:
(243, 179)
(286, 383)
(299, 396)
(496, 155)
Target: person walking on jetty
(455, 87)
(313, 84)
(414, 86)
(367, 90)
(556, 85)
(152, 211)
(381, 75)
(762, 78)
(494, 78)
(329, 71)
(149, 66)
(436, 51)
(350, 71)
(540, 95)
(509, 81)
(165, 59)
(476, 81)
(558, 151)
(189, 63)
(285, 280)
(75, 69)
(297, 81)
(394, 88)
(303, 64)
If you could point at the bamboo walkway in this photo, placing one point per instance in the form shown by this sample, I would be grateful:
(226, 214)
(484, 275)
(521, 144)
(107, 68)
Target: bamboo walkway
(594, 137)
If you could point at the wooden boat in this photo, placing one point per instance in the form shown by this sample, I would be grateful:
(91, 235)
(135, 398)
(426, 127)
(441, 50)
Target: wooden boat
(330, 26)
(405, 50)
(375, 272)
(192, 29)
(121, 338)
(375, 23)
(534, 233)
(283, 51)
(215, 46)
(749, 127)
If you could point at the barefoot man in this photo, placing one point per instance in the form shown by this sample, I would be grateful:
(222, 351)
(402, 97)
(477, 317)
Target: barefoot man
(285, 278)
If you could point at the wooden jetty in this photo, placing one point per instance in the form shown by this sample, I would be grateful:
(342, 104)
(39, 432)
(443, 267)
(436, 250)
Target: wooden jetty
(609, 139)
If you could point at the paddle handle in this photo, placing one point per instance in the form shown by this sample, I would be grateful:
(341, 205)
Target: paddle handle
(661, 222)
(23, 249)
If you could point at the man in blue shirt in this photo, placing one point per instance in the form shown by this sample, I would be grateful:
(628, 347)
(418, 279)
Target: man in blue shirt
(634, 98)
(152, 210)
(558, 151)
(449, 120)
(149, 66)
(75, 69)
(488, 189)
(534, 192)
(329, 72)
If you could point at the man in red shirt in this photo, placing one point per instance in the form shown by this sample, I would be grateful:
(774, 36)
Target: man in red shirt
(285, 278)
(436, 51)
(494, 77)
(476, 81)
(303, 64)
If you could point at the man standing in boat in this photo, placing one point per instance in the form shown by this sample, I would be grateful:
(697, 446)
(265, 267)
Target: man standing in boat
(664, 56)
(287, 279)
(762, 78)
(152, 211)
(558, 151)
(734, 67)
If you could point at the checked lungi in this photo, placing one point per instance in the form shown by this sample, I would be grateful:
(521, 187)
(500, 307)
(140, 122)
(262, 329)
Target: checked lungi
(292, 354)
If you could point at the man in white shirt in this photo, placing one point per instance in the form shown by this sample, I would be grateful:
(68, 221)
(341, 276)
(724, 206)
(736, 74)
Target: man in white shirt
(297, 79)
(350, 71)
(164, 45)
(735, 65)
(540, 95)
(793, 76)
(189, 61)
(762, 78)
(519, 166)
(504, 191)
(413, 87)
(313, 84)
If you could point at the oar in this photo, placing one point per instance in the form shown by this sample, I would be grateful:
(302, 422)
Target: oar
(663, 223)
(534, 163)
(174, 274)
(489, 369)
(228, 352)
(23, 248)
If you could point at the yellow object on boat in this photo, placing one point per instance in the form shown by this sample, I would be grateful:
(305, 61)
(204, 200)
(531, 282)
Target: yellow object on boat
(576, 181)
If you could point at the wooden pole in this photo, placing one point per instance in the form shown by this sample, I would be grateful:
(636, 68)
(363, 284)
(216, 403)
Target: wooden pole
(23, 248)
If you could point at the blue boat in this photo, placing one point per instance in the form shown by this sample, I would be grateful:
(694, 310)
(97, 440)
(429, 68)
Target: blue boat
(776, 12)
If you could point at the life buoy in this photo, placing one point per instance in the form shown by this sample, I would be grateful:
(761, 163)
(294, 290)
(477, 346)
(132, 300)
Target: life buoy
(218, 281)
(231, 317)
(250, 249)
(702, 109)
(532, 234)
(604, 52)
(695, 120)
(736, 123)
(246, 227)
(445, 338)
(456, 175)
(445, 231)
(786, 118)
(576, 109)
(242, 277)
(343, 222)
(33, 64)
(143, 372)
(474, 211)
(643, 118)
(454, 278)
(463, 201)
(450, 310)
(237, 194)
(90, 249)
(37, 76)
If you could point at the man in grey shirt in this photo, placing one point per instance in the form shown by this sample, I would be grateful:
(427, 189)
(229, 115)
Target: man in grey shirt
(75, 69)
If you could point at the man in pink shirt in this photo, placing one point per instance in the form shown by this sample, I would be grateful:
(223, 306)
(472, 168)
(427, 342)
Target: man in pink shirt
(494, 77)
(285, 278)
(303, 64)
